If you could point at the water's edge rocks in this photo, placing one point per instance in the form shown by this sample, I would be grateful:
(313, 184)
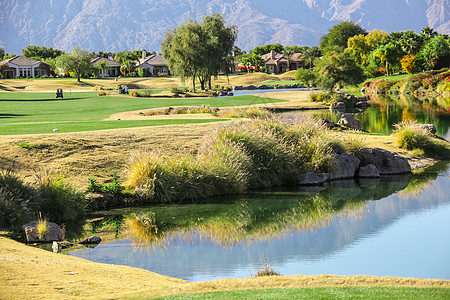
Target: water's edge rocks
(52, 232)
(367, 163)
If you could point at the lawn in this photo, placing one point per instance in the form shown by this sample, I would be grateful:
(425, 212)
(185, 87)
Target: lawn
(325, 293)
(40, 112)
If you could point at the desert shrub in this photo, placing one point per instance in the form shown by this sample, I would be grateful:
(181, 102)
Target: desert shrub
(266, 270)
(320, 97)
(384, 85)
(251, 112)
(355, 144)
(19, 203)
(162, 74)
(410, 135)
(102, 93)
(61, 203)
(26, 145)
(133, 93)
(44, 76)
(143, 93)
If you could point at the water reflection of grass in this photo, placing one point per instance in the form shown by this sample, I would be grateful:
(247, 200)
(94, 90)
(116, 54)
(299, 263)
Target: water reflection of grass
(422, 181)
(254, 218)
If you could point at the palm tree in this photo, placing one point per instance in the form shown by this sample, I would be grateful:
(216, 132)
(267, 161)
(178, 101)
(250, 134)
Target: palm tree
(288, 53)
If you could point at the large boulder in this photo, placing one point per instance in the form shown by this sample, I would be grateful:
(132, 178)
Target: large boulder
(313, 178)
(350, 121)
(430, 127)
(345, 166)
(91, 240)
(385, 161)
(369, 171)
(53, 233)
(339, 106)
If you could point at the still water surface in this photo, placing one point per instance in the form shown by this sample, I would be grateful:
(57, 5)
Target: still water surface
(394, 227)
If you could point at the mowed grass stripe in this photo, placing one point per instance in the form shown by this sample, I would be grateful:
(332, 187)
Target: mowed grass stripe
(87, 109)
(62, 127)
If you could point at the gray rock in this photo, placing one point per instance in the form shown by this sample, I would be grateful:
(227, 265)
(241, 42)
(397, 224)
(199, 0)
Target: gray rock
(339, 106)
(91, 240)
(345, 166)
(362, 104)
(350, 121)
(385, 161)
(430, 127)
(53, 232)
(369, 171)
(313, 178)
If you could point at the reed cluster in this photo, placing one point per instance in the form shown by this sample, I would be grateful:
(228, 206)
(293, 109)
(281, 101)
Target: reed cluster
(233, 159)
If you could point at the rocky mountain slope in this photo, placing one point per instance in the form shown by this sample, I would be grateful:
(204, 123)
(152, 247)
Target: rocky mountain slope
(115, 25)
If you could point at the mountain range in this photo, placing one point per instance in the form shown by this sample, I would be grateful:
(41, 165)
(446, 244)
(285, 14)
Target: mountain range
(116, 25)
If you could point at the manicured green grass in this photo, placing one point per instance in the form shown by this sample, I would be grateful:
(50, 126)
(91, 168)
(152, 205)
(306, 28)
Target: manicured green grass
(358, 87)
(326, 293)
(40, 112)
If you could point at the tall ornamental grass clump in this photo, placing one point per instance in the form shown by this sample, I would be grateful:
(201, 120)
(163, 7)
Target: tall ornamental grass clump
(18, 201)
(61, 203)
(411, 135)
(234, 158)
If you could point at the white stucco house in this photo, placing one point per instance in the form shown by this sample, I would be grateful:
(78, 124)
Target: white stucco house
(24, 67)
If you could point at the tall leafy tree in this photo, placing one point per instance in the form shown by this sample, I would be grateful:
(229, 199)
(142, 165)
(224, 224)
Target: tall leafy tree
(41, 52)
(79, 62)
(339, 34)
(194, 50)
(338, 68)
(437, 47)
(219, 46)
(310, 54)
(267, 48)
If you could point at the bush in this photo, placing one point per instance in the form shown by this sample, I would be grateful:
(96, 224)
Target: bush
(44, 76)
(384, 85)
(160, 74)
(144, 93)
(234, 158)
(102, 93)
(62, 204)
(411, 135)
(251, 112)
(133, 93)
(19, 203)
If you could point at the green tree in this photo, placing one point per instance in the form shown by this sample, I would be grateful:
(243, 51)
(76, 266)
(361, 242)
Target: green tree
(436, 47)
(102, 66)
(310, 54)
(261, 50)
(194, 50)
(41, 52)
(339, 34)
(253, 60)
(288, 53)
(219, 47)
(306, 77)
(79, 62)
(361, 45)
(338, 68)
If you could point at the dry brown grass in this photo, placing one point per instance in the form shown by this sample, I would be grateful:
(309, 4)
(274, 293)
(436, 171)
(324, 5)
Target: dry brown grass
(99, 153)
(30, 273)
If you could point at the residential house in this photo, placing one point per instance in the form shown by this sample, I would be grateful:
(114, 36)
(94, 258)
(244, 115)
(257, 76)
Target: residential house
(24, 67)
(153, 64)
(113, 69)
(277, 63)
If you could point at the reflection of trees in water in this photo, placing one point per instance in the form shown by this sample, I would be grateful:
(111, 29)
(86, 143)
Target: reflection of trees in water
(263, 216)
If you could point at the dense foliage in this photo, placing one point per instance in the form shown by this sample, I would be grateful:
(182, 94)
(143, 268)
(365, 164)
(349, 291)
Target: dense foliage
(199, 50)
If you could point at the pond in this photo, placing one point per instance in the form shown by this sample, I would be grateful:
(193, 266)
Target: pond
(395, 226)
(387, 111)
